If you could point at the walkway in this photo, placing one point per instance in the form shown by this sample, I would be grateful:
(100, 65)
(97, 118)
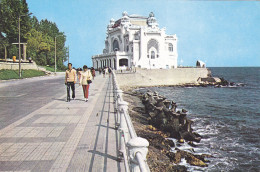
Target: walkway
(61, 136)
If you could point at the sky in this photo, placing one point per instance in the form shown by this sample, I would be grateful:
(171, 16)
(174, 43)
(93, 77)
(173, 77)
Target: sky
(220, 33)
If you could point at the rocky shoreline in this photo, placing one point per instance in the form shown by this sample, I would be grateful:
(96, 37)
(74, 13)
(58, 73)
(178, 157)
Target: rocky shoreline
(156, 119)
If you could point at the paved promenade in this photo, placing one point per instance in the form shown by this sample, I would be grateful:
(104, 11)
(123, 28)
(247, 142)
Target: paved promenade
(62, 136)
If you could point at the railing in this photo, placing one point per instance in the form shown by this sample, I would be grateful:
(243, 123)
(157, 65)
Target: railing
(132, 149)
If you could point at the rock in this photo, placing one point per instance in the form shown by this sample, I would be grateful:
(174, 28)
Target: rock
(190, 136)
(192, 160)
(181, 141)
(150, 127)
(170, 143)
(192, 144)
(197, 134)
(152, 114)
(167, 103)
(149, 107)
(187, 125)
(152, 100)
(159, 103)
(176, 168)
(184, 111)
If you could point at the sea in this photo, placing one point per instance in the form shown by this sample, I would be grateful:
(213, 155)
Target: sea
(228, 119)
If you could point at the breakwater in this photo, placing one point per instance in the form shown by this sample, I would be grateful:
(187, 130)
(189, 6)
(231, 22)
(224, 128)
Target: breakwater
(162, 77)
(167, 129)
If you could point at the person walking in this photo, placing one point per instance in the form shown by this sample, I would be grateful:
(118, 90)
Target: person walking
(93, 72)
(70, 80)
(85, 81)
(104, 72)
(79, 73)
(109, 71)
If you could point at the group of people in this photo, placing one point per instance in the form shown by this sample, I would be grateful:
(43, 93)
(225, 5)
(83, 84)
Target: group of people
(85, 77)
(105, 71)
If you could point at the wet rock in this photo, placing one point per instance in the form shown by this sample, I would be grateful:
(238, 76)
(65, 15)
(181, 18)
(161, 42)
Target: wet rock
(190, 136)
(160, 103)
(192, 160)
(150, 127)
(173, 106)
(170, 143)
(197, 134)
(181, 141)
(152, 114)
(184, 111)
(192, 144)
(167, 103)
(176, 168)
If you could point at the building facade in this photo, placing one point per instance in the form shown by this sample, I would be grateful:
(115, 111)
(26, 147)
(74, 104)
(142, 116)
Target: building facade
(137, 41)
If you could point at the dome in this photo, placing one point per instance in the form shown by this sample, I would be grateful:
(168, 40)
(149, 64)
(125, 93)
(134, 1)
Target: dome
(124, 13)
(112, 20)
(151, 14)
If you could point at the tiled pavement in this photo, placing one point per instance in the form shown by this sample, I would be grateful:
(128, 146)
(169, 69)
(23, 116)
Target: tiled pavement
(62, 136)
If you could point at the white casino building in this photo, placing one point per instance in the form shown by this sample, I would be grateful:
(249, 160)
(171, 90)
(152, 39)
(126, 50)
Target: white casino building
(137, 41)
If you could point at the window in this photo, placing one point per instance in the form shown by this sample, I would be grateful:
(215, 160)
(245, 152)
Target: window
(170, 47)
(115, 45)
(152, 55)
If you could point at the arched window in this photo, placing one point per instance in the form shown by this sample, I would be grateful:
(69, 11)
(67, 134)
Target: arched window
(115, 45)
(152, 55)
(170, 47)
(153, 43)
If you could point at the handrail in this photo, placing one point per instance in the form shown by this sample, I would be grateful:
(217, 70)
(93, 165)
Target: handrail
(133, 149)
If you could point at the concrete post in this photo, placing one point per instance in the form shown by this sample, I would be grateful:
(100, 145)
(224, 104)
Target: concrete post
(118, 93)
(135, 145)
(123, 127)
(24, 52)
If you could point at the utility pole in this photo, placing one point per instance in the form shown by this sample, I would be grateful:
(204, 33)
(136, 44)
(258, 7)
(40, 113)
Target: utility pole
(55, 56)
(55, 52)
(19, 19)
(19, 42)
(68, 54)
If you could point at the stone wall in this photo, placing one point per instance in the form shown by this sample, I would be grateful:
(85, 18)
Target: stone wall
(161, 77)
(24, 66)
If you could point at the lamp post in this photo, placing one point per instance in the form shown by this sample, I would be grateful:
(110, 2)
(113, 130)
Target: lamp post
(19, 19)
(55, 52)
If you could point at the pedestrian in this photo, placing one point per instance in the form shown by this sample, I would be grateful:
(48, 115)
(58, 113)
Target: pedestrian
(85, 81)
(99, 70)
(106, 69)
(104, 72)
(93, 72)
(70, 80)
(79, 73)
(109, 71)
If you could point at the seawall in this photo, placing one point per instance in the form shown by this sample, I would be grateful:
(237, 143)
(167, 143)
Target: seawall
(161, 77)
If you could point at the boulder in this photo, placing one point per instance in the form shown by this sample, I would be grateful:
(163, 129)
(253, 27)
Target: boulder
(190, 136)
(184, 111)
(176, 168)
(192, 160)
(170, 143)
(192, 144)
(167, 103)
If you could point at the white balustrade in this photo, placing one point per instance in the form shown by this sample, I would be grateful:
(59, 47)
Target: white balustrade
(132, 149)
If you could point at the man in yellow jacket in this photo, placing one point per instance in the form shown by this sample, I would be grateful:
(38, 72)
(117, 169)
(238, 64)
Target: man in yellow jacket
(70, 80)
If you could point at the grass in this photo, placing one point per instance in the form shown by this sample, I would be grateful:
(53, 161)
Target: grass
(14, 74)
(51, 68)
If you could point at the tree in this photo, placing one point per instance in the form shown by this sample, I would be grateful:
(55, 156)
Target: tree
(39, 35)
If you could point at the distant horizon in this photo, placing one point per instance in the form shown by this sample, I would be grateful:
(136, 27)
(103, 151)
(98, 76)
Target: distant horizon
(209, 31)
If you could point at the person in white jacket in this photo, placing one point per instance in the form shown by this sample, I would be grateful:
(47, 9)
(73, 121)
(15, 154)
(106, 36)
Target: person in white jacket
(85, 80)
